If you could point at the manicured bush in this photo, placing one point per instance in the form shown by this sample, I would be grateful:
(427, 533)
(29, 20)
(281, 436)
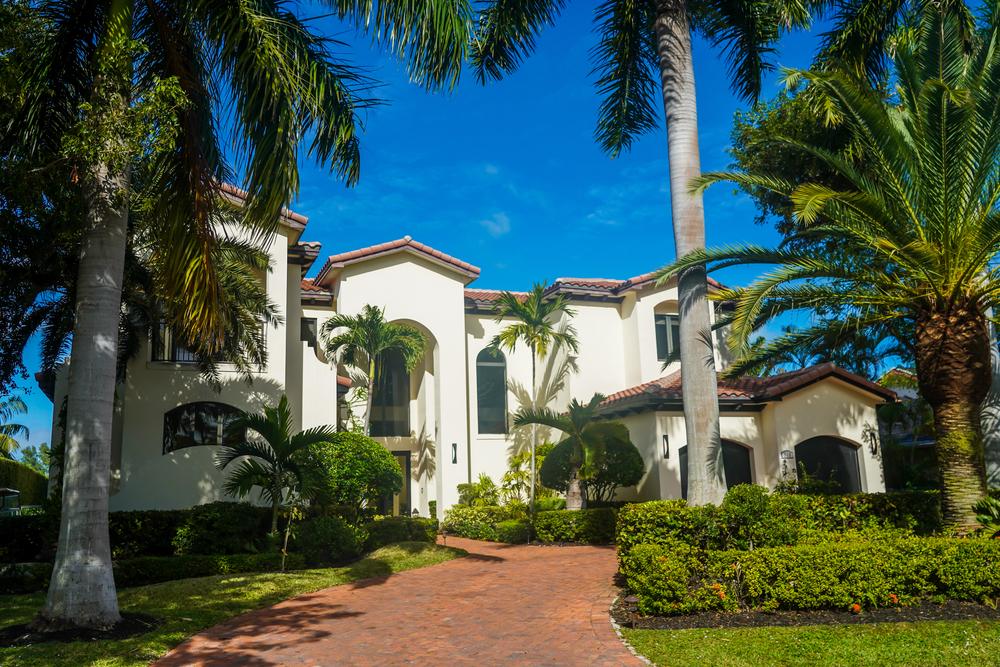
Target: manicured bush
(32, 484)
(482, 523)
(24, 577)
(675, 578)
(390, 530)
(515, 531)
(223, 528)
(623, 467)
(325, 539)
(144, 532)
(593, 526)
(25, 539)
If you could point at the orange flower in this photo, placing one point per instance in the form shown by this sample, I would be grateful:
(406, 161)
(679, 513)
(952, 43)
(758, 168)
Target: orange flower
(716, 586)
(892, 596)
(722, 595)
(856, 608)
(664, 559)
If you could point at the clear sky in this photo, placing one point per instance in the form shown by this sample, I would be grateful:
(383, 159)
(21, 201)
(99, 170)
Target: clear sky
(508, 177)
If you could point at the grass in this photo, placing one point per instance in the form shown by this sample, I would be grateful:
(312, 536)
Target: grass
(926, 644)
(190, 605)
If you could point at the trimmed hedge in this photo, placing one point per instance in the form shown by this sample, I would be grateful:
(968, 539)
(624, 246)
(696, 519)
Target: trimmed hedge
(592, 526)
(483, 523)
(399, 529)
(324, 540)
(33, 485)
(676, 578)
(32, 577)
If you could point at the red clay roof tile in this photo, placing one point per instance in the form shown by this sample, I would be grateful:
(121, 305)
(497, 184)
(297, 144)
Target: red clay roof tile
(338, 261)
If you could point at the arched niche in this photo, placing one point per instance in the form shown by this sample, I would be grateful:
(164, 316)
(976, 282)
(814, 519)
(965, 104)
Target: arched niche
(736, 460)
(831, 458)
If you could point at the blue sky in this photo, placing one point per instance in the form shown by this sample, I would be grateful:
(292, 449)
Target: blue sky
(509, 178)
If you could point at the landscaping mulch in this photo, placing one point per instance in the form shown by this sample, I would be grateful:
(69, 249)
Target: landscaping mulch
(131, 625)
(952, 610)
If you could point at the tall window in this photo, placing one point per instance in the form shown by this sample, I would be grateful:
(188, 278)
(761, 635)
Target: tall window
(491, 384)
(735, 465)
(668, 335)
(197, 424)
(391, 402)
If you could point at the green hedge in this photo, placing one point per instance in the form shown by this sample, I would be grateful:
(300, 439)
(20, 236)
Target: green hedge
(399, 529)
(593, 526)
(676, 578)
(32, 577)
(325, 540)
(32, 484)
(484, 523)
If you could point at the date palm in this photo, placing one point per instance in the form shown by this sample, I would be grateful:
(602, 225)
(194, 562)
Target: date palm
(8, 431)
(363, 340)
(589, 438)
(271, 463)
(925, 217)
(536, 328)
(118, 80)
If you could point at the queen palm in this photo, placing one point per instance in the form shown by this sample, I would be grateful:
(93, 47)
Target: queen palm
(925, 217)
(364, 340)
(589, 438)
(117, 80)
(8, 431)
(271, 462)
(536, 328)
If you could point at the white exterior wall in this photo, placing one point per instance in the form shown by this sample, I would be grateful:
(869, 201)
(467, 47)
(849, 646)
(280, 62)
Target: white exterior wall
(599, 332)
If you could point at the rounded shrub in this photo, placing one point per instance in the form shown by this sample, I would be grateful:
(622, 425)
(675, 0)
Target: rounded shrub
(324, 540)
(623, 467)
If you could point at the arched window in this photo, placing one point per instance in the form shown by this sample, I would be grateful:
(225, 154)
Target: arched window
(491, 385)
(830, 459)
(735, 464)
(197, 424)
(391, 402)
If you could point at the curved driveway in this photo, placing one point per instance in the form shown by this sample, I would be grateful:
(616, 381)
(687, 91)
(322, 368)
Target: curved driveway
(502, 605)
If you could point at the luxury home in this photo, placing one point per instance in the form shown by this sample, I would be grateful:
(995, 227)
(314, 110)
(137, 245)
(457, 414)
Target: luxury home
(450, 419)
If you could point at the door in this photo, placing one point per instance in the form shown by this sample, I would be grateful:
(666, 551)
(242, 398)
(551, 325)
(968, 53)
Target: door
(399, 503)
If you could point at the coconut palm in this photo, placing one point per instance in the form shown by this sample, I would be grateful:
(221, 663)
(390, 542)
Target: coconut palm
(272, 462)
(118, 80)
(12, 406)
(925, 216)
(363, 342)
(589, 438)
(536, 328)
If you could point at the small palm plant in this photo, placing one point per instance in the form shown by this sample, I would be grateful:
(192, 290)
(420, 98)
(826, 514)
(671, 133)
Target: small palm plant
(271, 463)
(365, 339)
(9, 408)
(588, 436)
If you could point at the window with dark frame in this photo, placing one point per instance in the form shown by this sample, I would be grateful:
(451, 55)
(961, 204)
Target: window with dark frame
(668, 335)
(200, 424)
(491, 386)
(391, 399)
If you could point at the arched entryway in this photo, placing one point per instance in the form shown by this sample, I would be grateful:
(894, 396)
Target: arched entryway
(830, 458)
(735, 461)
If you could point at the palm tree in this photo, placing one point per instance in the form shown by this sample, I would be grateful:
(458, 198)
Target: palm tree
(119, 82)
(366, 341)
(12, 406)
(924, 216)
(588, 436)
(273, 462)
(535, 329)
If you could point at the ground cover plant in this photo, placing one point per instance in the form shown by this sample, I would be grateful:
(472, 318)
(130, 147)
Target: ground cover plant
(190, 605)
(941, 644)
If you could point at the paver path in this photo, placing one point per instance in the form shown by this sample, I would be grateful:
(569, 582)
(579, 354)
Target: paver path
(502, 605)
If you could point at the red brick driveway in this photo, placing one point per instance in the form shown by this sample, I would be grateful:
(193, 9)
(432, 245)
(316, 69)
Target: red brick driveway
(502, 605)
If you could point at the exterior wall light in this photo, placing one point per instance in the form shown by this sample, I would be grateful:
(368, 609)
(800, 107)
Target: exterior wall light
(454, 452)
(666, 446)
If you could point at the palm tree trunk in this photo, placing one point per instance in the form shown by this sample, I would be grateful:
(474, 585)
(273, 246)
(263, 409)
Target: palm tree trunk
(954, 373)
(700, 390)
(371, 391)
(574, 493)
(275, 501)
(82, 591)
(534, 433)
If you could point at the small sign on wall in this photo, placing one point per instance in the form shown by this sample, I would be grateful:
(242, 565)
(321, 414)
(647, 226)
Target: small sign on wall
(787, 454)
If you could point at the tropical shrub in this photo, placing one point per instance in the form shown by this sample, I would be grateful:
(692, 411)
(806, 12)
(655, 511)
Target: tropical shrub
(222, 528)
(482, 493)
(622, 467)
(388, 530)
(32, 484)
(478, 523)
(356, 473)
(675, 578)
(324, 540)
(988, 516)
(591, 526)
(145, 532)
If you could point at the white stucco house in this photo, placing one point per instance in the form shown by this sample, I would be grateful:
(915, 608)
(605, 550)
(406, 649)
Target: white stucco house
(449, 420)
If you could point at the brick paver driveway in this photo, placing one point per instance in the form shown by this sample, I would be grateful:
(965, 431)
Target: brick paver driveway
(502, 605)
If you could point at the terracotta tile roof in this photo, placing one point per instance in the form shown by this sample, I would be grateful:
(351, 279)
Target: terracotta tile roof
(611, 287)
(344, 382)
(288, 215)
(399, 245)
(309, 286)
(599, 283)
(748, 388)
(491, 295)
(310, 244)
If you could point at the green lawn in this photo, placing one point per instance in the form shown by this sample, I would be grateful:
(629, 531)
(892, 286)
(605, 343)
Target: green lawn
(927, 644)
(190, 605)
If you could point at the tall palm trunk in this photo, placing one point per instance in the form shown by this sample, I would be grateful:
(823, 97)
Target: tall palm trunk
(575, 500)
(371, 393)
(534, 433)
(701, 401)
(954, 373)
